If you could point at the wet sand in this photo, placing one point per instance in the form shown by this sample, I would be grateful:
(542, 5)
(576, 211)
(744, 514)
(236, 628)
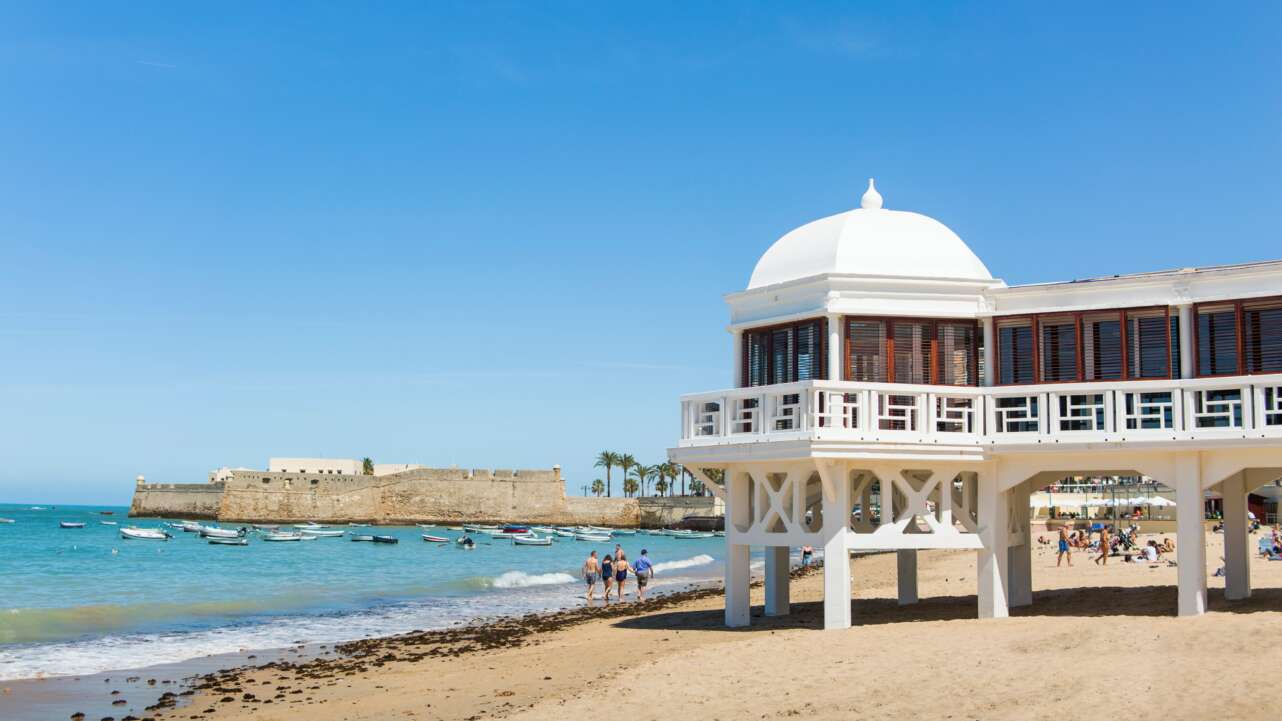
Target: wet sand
(1097, 640)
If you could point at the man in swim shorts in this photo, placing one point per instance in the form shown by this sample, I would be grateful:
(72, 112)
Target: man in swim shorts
(590, 571)
(644, 571)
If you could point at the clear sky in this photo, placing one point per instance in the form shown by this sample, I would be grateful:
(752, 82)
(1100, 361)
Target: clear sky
(497, 235)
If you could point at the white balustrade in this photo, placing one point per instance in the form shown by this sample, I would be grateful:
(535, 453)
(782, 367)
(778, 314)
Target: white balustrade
(1005, 415)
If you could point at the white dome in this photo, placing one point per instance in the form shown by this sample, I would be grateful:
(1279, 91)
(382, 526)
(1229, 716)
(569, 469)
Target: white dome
(869, 241)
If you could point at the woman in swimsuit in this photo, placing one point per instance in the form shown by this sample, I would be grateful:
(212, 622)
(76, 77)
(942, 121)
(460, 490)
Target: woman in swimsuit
(620, 572)
(607, 575)
(1064, 548)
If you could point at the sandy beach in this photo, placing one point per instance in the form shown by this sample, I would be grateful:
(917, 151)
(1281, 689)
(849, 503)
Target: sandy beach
(1097, 640)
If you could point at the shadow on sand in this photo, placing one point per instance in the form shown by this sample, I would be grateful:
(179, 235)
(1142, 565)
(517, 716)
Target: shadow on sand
(1095, 601)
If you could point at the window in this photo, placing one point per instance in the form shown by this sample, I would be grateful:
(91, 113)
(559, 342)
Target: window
(1015, 351)
(1058, 349)
(958, 354)
(1147, 351)
(784, 354)
(1217, 352)
(1262, 336)
(866, 358)
(1102, 346)
(912, 352)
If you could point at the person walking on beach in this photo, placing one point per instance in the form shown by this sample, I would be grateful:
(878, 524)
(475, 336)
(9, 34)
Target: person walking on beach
(1064, 549)
(590, 571)
(644, 572)
(620, 574)
(807, 553)
(1103, 546)
(607, 576)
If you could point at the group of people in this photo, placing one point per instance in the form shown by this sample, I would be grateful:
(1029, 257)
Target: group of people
(1271, 544)
(1108, 544)
(613, 571)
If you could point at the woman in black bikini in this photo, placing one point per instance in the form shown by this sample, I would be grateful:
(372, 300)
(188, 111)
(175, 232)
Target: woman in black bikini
(620, 572)
(607, 575)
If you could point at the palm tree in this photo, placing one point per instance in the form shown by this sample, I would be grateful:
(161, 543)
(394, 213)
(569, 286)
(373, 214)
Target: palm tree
(625, 462)
(670, 471)
(598, 487)
(640, 474)
(607, 460)
(661, 485)
(629, 486)
(367, 466)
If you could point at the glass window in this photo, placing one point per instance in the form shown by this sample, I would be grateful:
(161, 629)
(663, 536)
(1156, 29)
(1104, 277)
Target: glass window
(1102, 346)
(1262, 337)
(1058, 349)
(1147, 352)
(1015, 352)
(912, 351)
(867, 351)
(783, 354)
(958, 354)
(1217, 341)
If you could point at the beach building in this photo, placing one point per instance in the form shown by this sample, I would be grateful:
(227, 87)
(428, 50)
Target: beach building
(875, 357)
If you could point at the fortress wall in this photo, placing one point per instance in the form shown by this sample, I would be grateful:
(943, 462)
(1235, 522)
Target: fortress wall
(177, 500)
(661, 512)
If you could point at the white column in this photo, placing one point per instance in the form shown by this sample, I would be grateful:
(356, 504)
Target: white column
(738, 358)
(777, 580)
(1190, 533)
(836, 348)
(993, 557)
(990, 352)
(738, 579)
(1019, 562)
(836, 510)
(906, 559)
(1237, 538)
(1187, 365)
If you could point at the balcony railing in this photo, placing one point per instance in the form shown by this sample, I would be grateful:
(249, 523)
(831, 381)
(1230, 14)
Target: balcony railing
(1236, 407)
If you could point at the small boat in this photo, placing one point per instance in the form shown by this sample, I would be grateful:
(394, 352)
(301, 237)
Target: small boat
(229, 541)
(562, 533)
(309, 525)
(282, 537)
(479, 529)
(6, 520)
(435, 539)
(358, 525)
(362, 537)
(321, 534)
(692, 535)
(214, 532)
(108, 523)
(425, 525)
(453, 528)
(106, 513)
(144, 534)
(71, 524)
(466, 543)
(719, 534)
(385, 539)
(595, 538)
(265, 527)
(623, 532)
(37, 508)
(531, 541)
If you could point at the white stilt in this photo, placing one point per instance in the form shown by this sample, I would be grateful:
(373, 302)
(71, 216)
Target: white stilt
(777, 580)
(1237, 539)
(1190, 534)
(993, 557)
(836, 514)
(738, 580)
(907, 572)
(1019, 560)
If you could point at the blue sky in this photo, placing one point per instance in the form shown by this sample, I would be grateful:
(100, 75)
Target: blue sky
(497, 235)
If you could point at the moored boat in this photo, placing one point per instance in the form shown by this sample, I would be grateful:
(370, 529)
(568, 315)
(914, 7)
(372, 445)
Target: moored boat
(7, 520)
(215, 532)
(595, 538)
(229, 541)
(282, 537)
(531, 541)
(362, 537)
(385, 539)
(624, 532)
(561, 533)
(435, 539)
(108, 523)
(321, 534)
(144, 534)
(71, 524)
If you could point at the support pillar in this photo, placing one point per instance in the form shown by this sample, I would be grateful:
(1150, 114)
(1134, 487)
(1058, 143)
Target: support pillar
(836, 348)
(836, 509)
(738, 580)
(738, 358)
(1237, 538)
(777, 580)
(1186, 340)
(906, 559)
(1190, 534)
(990, 352)
(1019, 559)
(993, 557)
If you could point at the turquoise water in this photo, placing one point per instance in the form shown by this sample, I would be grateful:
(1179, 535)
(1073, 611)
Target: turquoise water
(80, 601)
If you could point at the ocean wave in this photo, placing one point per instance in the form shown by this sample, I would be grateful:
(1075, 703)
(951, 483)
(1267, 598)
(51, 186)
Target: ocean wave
(702, 559)
(521, 579)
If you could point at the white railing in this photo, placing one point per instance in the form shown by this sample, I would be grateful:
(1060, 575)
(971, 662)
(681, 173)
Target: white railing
(1162, 410)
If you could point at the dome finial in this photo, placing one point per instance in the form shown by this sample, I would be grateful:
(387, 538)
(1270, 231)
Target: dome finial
(871, 199)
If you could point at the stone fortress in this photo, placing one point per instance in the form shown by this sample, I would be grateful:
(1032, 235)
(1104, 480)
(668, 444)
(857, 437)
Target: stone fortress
(337, 491)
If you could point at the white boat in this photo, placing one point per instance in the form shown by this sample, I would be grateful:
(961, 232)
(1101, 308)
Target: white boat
(466, 543)
(358, 525)
(692, 535)
(531, 541)
(144, 534)
(6, 520)
(453, 528)
(321, 534)
(282, 537)
(309, 525)
(212, 532)
(71, 524)
(435, 539)
(109, 523)
(562, 534)
(595, 538)
(229, 541)
(541, 529)
(624, 532)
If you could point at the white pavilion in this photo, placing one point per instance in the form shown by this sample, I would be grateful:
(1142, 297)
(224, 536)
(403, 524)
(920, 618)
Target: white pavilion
(876, 356)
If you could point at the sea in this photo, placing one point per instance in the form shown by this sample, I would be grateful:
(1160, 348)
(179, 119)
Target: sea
(84, 601)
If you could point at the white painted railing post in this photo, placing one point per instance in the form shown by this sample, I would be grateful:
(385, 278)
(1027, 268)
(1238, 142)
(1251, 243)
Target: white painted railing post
(724, 422)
